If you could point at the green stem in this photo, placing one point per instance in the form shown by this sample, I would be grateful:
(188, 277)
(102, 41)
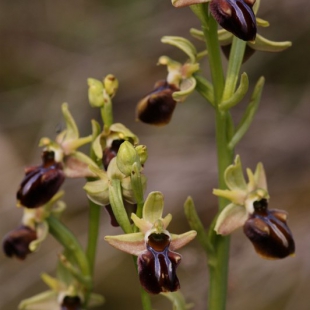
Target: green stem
(93, 233)
(66, 238)
(218, 253)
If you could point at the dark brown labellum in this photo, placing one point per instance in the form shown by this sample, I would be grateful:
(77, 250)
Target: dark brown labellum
(157, 268)
(236, 16)
(269, 233)
(71, 303)
(16, 242)
(157, 107)
(41, 183)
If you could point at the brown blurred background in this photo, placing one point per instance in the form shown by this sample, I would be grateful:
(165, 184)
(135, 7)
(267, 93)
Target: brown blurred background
(47, 51)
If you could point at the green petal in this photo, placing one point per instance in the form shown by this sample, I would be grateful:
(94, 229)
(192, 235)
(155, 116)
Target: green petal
(130, 243)
(232, 217)
(153, 207)
(265, 45)
(183, 44)
(42, 232)
(234, 176)
(236, 196)
(260, 177)
(187, 87)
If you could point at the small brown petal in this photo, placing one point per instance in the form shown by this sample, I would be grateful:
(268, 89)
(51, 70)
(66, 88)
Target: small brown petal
(236, 16)
(16, 242)
(157, 107)
(41, 183)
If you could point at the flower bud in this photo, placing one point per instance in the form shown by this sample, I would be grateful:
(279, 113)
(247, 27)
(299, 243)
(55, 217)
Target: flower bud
(268, 231)
(236, 16)
(126, 157)
(16, 242)
(71, 303)
(95, 93)
(157, 107)
(110, 83)
(41, 183)
(110, 152)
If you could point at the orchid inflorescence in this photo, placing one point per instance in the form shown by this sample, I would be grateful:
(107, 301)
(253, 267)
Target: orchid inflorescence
(115, 180)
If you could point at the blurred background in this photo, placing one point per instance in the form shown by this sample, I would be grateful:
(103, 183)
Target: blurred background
(50, 47)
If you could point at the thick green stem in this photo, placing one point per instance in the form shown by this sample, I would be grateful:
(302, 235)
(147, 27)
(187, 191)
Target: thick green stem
(93, 233)
(218, 253)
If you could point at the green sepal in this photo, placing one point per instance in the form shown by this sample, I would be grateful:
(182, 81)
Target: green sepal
(234, 178)
(204, 88)
(71, 132)
(130, 243)
(195, 222)
(95, 93)
(232, 217)
(44, 300)
(178, 301)
(116, 201)
(183, 44)
(238, 95)
(153, 207)
(124, 133)
(248, 116)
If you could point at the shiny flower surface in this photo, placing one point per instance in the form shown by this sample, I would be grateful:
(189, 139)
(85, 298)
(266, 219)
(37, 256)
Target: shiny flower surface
(154, 246)
(41, 183)
(157, 107)
(267, 229)
(16, 242)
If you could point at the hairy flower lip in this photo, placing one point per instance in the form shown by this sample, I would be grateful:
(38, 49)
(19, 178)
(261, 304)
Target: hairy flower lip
(236, 16)
(269, 232)
(16, 242)
(157, 107)
(41, 183)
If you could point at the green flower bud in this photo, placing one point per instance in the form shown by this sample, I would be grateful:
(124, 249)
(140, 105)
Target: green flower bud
(126, 157)
(110, 83)
(142, 153)
(95, 93)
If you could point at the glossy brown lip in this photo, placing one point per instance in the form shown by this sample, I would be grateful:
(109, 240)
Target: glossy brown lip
(236, 16)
